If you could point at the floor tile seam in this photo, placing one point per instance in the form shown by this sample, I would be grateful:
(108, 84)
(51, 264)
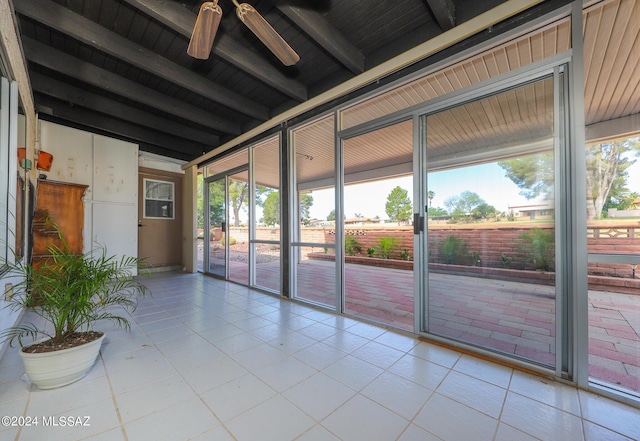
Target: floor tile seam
(344, 354)
(349, 386)
(24, 412)
(116, 408)
(195, 395)
(497, 420)
(410, 420)
(553, 408)
(421, 428)
(141, 385)
(610, 429)
(359, 393)
(385, 368)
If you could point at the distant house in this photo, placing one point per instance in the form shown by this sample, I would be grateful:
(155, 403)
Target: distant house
(543, 210)
(361, 221)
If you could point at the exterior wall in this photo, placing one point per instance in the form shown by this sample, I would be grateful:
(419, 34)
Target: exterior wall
(613, 212)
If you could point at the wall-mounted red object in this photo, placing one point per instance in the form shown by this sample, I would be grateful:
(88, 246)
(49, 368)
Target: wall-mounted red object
(44, 161)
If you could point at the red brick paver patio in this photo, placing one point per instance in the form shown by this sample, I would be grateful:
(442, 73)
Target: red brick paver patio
(512, 317)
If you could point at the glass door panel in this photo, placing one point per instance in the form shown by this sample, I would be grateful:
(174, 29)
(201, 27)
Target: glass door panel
(314, 265)
(266, 238)
(378, 226)
(215, 236)
(313, 256)
(238, 232)
(491, 222)
(613, 244)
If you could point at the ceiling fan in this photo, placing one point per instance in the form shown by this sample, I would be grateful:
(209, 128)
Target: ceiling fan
(208, 21)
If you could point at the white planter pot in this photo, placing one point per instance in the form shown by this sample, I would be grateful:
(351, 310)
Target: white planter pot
(49, 370)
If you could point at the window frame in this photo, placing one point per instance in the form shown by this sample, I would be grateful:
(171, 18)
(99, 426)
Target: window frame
(145, 199)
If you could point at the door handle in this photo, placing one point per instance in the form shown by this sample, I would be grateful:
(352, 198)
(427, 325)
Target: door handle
(418, 223)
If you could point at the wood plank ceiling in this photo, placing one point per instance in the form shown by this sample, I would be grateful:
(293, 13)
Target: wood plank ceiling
(120, 67)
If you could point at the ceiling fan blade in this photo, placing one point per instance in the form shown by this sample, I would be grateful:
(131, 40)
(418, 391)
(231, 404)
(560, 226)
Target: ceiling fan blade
(205, 30)
(263, 30)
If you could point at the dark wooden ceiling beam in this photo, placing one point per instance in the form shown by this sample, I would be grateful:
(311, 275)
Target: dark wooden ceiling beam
(86, 31)
(119, 128)
(444, 12)
(182, 20)
(326, 35)
(79, 97)
(88, 73)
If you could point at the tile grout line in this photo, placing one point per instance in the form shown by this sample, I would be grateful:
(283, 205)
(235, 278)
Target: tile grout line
(113, 399)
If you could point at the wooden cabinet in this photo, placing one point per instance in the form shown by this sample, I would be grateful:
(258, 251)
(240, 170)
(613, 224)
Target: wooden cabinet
(58, 204)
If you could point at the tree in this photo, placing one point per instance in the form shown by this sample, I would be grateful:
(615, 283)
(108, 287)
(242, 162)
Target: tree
(398, 206)
(271, 209)
(238, 192)
(462, 206)
(332, 215)
(431, 195)
(437, 211)
(533, 174)
(216, 203)
(622, 202)
(306, 201)
(261, 193)
(607, 165)
(484, 211)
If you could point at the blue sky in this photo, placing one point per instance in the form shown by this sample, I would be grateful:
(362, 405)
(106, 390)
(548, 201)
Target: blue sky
(487, 180)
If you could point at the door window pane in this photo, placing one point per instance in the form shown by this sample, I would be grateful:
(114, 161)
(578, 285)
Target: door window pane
(158, 199)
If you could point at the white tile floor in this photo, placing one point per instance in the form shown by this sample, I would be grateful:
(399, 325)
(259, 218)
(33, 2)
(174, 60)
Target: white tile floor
(207, 360)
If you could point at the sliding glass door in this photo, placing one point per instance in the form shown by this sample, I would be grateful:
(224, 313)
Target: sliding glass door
(215, 252)
(494, 246)
(226, 228)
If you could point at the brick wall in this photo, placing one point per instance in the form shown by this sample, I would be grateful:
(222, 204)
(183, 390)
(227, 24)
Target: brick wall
(490, 241)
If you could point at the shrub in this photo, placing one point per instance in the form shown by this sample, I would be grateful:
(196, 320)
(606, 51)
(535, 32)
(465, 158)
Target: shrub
(506, 260)
(387, 245)
(370, 251)
(232, 240)
(405, 254)
(454, 250)
(538, 247)
(352, 246)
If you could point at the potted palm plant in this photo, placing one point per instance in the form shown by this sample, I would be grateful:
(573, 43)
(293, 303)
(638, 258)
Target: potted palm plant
(68, 294)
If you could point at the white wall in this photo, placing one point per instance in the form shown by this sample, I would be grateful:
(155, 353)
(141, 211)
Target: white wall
(110, 168)
(157, 162)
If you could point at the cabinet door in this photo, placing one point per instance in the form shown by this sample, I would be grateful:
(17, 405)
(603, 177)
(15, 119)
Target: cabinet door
(72, 155)
(116, 227)
(115, 165)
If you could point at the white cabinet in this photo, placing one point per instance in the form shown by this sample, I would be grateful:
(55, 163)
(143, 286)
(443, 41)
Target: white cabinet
(110, 168)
